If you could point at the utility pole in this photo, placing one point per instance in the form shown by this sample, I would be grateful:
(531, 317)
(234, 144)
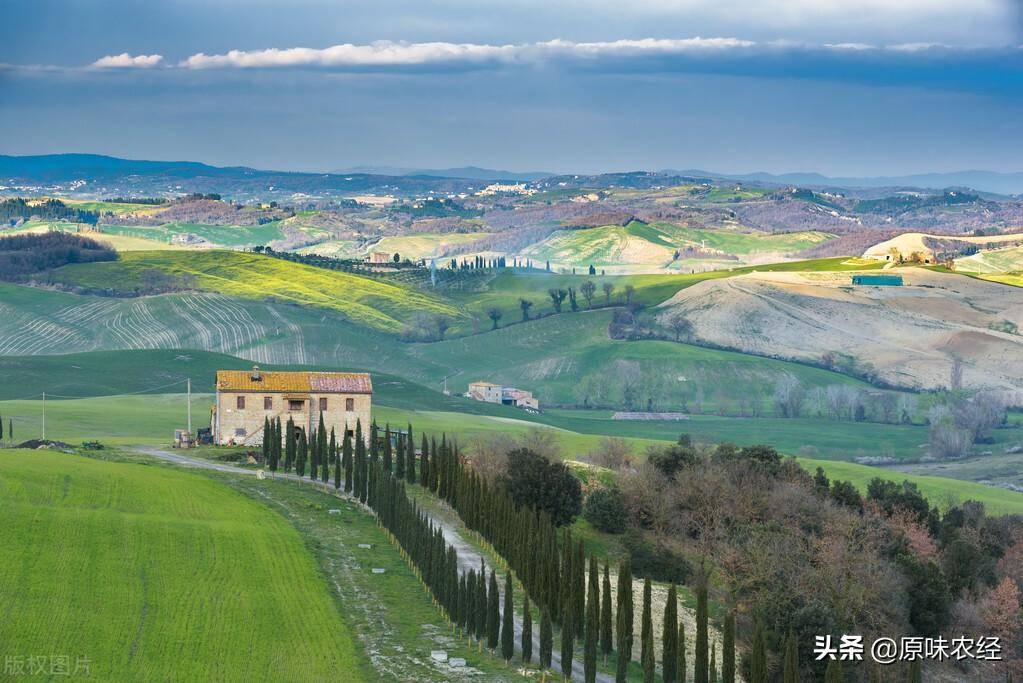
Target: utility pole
(44, 416)
(189, 400)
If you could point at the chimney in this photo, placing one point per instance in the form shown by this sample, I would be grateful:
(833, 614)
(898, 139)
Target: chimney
(256, 375)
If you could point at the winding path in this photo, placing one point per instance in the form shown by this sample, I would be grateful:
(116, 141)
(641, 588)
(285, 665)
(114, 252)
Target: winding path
(468, 556)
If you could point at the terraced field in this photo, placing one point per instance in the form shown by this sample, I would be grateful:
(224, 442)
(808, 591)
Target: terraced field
(35, 321)
(111, 552)
(373, 303)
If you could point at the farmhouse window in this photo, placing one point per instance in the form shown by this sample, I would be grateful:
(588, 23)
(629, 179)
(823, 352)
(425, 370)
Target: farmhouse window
(240, 431)
(323, 404)
(349, 405)
(240, 402)
(295, 404)
(350, 432)
(268, 402)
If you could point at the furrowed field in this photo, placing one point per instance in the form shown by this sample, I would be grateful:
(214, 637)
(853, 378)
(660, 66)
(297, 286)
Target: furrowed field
(159, 574)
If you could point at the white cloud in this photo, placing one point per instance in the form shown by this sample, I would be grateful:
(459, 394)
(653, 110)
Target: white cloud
(127, 61)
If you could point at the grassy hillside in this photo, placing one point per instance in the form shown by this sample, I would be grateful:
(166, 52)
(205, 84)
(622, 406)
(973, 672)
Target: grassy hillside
(221, 235)
(570, 360)
(373, 303)
(121, 241)
(654, 245)
(101, 560)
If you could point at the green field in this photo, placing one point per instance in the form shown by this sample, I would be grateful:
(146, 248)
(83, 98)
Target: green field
(158, 574)
(221, 235)
(992, 262)
(373, 303)
(152, 418)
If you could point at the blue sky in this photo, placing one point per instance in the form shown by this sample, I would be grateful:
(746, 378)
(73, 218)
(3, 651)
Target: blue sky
(845, 87)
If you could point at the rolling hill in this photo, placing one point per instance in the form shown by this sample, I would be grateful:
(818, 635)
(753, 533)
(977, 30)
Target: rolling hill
(373, 303)
(906, 336)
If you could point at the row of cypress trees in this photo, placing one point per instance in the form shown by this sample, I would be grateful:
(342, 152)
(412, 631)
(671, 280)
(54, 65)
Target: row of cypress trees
(552, 566)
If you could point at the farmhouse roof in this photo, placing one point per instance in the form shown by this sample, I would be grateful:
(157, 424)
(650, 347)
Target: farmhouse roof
(314, 382)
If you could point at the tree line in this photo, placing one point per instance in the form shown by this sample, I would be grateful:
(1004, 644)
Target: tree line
(27, 254)
(564, 584)
(18, 209)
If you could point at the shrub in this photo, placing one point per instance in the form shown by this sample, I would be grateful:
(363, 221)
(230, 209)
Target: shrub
(606, 510)
(655, 561)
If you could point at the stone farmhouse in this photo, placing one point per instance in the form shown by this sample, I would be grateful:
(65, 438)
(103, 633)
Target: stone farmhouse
(509, 396)
(245, 398)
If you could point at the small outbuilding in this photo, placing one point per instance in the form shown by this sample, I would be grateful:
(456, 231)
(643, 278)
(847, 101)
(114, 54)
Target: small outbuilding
(877, 280)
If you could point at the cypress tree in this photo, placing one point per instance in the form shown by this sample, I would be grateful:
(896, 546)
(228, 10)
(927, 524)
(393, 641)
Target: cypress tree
(493, 612)
(508, 621)
(592, 624)
(567, 635)
(314, 456)
(2, 428)
(303, 453)
(360, 463)
(790, 667)
(579, 588)
(701, 673)
(833, 673)
(410, 457)
(915, 672)
(527, 630)
(469, 609)
(277, 443)
(347, 460)
(758, 658)
(713, 663)
(728, 649)
(325, 449)
(647, 635)
(424, 464)
(388, 453)
(275, 453)
(623, 631)
(482, 603)
(289, 446)
(337, 460)
(399, 465)
(605, 614)
(267, 435)
(546, 638)
(669, 637)
(681, 667)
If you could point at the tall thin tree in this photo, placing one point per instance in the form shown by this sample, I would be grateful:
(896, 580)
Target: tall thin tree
(669, 637)
(605, 615)
(623, 630)
(527, 630)
(546, 638)
(728, 648)
(647, 635)
(493, 612)
(508, 621)
(592, 632)
(701, 673)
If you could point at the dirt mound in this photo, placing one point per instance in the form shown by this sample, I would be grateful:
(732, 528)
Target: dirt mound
(33, 444)
(907, 336)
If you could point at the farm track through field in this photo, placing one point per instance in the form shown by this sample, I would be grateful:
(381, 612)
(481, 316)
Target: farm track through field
(468, 556)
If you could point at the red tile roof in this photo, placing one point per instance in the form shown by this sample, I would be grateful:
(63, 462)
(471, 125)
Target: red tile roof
(305, 382)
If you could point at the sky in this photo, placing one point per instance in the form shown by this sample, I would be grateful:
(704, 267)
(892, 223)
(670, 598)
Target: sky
(841, 87)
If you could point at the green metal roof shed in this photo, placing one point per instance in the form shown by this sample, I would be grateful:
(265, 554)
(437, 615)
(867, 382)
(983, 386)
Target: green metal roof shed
(878, 280)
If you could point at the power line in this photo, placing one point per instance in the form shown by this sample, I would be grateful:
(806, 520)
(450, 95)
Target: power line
(130, 393)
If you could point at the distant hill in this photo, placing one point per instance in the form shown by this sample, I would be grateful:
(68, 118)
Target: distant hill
(470, 172)
(985, 181)
(98, 174)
